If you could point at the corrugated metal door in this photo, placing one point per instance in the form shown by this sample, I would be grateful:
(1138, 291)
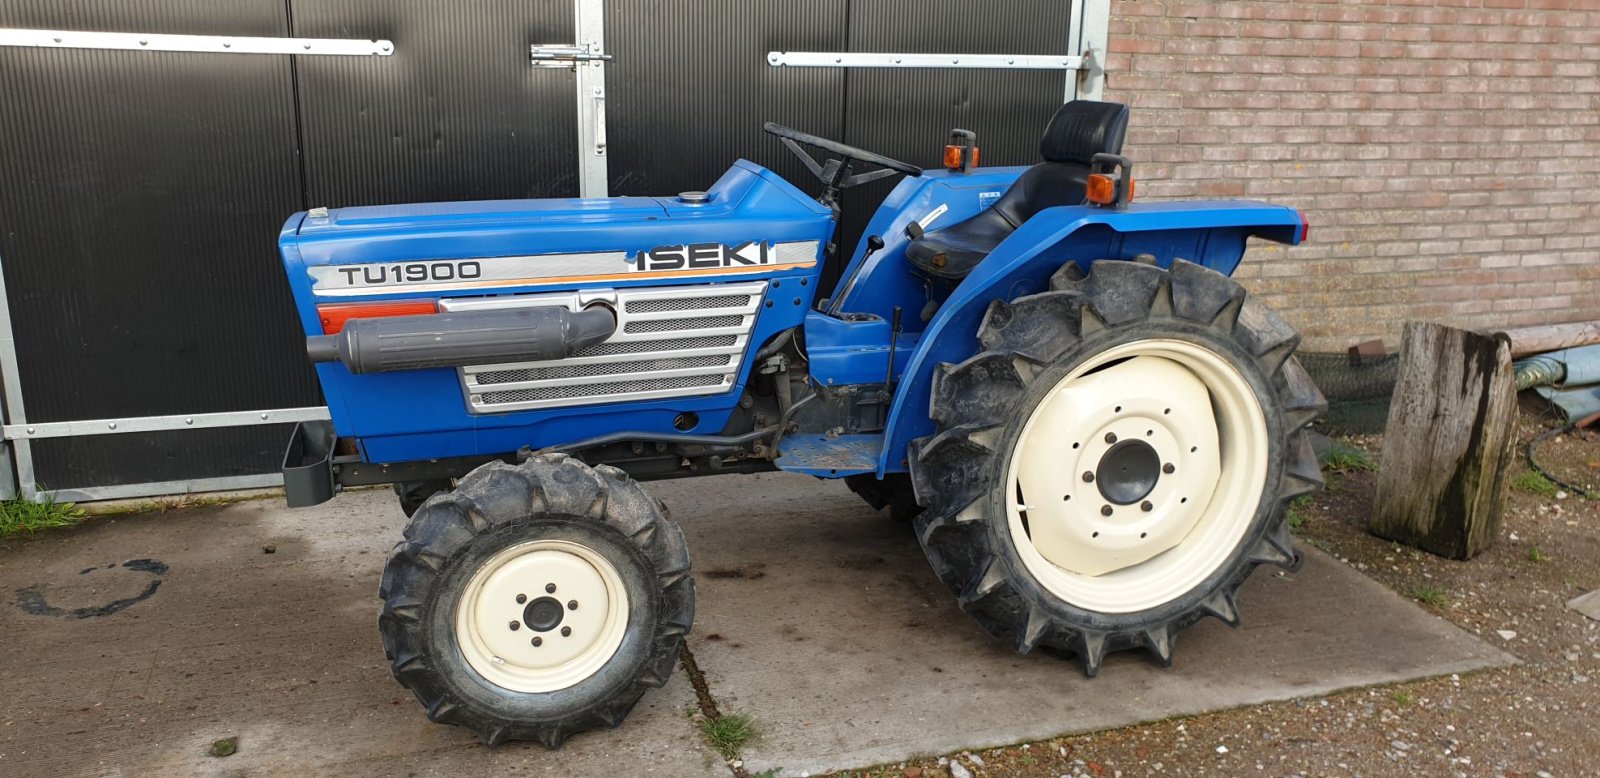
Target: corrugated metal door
(456, 114)
(140, 195)
(908, 114)
(691, 86)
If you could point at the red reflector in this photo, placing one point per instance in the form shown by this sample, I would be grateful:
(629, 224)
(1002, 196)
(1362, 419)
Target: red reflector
(334, 316)
(1305, 228)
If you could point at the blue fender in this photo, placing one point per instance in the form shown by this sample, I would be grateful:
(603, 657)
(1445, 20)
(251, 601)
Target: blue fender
(1212, 233)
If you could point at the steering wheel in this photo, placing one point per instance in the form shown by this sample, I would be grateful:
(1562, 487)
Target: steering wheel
(835, 174)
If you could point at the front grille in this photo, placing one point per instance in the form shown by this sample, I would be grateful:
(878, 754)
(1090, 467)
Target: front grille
(654, 353)
(671, 325)
(600, 390)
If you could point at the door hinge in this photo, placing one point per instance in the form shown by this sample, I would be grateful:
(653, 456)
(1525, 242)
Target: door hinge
(551, 55)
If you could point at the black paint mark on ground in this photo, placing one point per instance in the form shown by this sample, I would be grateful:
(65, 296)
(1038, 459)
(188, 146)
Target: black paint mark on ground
(31, 598)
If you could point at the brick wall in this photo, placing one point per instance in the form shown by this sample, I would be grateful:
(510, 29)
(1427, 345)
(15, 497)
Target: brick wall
(1447, 152)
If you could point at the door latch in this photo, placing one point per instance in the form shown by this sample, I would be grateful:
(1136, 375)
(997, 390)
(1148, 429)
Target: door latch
(551, 55)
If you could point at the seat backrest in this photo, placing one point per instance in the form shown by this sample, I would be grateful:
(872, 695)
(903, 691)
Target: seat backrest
(1078, 131)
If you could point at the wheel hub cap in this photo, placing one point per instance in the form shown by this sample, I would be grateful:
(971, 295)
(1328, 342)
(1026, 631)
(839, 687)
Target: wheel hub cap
(1128, 472)
(541, 616)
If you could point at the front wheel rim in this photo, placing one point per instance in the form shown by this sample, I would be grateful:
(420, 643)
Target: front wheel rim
(1086, 514)
(542, 616)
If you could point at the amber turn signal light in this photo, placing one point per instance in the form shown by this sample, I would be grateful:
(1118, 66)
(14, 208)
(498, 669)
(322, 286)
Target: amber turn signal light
(953, 160)
(1102, 189)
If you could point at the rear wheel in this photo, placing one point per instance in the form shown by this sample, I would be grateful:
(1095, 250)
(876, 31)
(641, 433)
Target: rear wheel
(1117, 460)
(537, 600)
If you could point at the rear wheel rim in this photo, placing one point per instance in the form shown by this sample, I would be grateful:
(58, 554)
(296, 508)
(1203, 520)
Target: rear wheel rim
(542, 616)
(1137, 476)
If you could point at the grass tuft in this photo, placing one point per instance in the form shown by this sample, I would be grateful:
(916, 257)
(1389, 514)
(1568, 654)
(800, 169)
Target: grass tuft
(1535, 555)
(1348, 460)
(1429, 595)
(19, 517)
(728, 732)
(1535, 483)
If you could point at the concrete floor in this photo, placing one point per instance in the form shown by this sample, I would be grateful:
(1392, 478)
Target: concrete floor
(816, 616)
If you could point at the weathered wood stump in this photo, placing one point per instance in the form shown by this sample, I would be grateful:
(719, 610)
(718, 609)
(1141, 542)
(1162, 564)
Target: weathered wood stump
(1448, 441)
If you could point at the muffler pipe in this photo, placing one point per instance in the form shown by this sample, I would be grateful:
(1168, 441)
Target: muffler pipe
(456, 339)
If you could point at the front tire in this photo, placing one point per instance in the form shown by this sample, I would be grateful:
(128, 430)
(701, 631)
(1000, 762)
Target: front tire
(1116, 460)
(536, 601)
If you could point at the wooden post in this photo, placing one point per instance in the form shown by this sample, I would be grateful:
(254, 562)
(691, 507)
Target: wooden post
(1552, 337)
(1448, 441)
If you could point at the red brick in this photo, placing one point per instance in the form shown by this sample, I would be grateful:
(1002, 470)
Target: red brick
(1450, 147)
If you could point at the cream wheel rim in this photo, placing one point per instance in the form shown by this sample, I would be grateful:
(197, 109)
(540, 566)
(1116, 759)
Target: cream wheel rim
(1137, 475)
(542, 616)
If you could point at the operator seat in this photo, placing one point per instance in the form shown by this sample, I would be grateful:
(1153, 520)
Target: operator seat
(1078, 131)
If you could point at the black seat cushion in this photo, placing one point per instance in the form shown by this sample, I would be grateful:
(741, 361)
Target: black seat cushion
(1078, 131)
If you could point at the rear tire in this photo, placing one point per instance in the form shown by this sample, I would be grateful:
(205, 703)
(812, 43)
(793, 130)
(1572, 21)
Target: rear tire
(1198, 380)
(536, 601)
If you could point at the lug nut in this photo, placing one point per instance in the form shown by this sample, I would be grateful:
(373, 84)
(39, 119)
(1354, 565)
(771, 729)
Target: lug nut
(1111, 437)
(572, 605)
(566, 631)
(550, 588)
(1146, 506)
(538, 641)
(522, 598)
(1105, 510)
(1088, 476)
(1168, 468)
(516, 625)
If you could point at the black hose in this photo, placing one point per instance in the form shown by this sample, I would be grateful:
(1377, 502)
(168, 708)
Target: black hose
(1537, 468)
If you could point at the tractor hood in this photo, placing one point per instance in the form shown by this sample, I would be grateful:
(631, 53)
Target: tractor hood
(747, 219)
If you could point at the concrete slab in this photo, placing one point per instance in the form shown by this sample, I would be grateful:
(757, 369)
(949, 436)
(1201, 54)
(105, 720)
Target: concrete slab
(822, 619)
(280, 650)
(1587, 604)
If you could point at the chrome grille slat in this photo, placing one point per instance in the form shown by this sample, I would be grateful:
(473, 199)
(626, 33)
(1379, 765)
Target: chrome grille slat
(678, 341)
(680, 325)
(590, 369)
(686, 303)
(611, 348)
(609, 392)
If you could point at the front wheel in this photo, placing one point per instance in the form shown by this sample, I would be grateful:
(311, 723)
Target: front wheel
(1117, 459)
(536, 601)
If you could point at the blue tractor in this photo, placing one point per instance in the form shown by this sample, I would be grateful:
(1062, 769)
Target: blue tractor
(1093, 431)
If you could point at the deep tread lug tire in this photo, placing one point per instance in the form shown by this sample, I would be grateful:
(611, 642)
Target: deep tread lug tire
(496, 510)
(1032, 345)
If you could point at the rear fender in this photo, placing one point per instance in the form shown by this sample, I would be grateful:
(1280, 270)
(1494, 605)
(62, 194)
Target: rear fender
(1210, 233)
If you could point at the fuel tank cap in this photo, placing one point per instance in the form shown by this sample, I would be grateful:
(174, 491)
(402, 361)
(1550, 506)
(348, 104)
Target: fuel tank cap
(694, 198)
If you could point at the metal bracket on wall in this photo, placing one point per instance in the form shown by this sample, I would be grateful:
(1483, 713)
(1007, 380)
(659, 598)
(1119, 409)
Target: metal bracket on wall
(826, 59)
(555, 55)
(205, 44)
(1089, 23)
